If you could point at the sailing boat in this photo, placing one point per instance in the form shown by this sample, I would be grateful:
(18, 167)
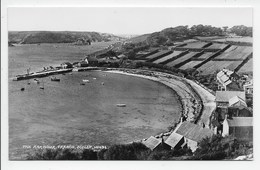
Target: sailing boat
(42, 87)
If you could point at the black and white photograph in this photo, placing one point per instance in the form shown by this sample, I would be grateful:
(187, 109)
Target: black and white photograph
(130, 83)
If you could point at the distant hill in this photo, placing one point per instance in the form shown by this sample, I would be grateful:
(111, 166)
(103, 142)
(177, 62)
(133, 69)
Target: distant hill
(33, 37)
(171, 35)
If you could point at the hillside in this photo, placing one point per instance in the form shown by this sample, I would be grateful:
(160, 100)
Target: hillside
(171, 35)
(33, 37)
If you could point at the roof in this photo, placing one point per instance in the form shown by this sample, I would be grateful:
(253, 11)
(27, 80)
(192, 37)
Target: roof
(236, 99)
(91, 58)
(240, 121)
(151, 142)
(67, 63)
(224, 76)
(173, 139)
(193, 131)
(225, 96)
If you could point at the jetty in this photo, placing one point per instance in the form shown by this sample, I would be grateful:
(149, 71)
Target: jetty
(41, 74)
(46, 73)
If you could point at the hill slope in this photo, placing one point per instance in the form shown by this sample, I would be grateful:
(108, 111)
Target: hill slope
(32, 37)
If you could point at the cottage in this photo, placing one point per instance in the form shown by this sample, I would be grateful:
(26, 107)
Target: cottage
(66, 65)
(155, 144)
(91, 60)
(193, 134)
(237, 101)
(239, 127)
(223, 97)
(226, 81)
(83, 64)
(175, 140)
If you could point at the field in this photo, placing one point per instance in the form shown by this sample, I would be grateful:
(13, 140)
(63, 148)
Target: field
(196, 45)
(181, 59)
(217, 45)
(248, 67)
(236, 39)
(175, 53)
(231, 58)
(240, 52)
(157, 54)
(190, 64)
(213, 66)
(205, 55)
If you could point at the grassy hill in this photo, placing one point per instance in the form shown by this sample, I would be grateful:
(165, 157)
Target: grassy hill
(33, 37)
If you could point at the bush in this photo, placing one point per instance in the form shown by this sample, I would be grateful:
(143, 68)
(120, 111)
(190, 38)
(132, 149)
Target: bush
(132, 151)
(88, 154)
(54, 154)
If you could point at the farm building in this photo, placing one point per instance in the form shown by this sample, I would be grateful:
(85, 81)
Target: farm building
(239, 127)
(66, 65)
(193, 134)
(226, 81)
(155, 144)
(175, 141)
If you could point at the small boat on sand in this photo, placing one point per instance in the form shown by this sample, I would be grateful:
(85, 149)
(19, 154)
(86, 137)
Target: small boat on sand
(22, 89)
(121, 105)
(94, 78)
(86, 81)
(54, 79)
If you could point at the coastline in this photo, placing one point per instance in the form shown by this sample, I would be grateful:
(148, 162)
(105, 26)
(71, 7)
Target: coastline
(197, 104)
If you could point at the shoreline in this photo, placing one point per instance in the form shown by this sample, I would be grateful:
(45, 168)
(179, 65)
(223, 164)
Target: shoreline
(191, 101)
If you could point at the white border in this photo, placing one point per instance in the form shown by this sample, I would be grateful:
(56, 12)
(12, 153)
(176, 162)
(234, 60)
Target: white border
(43, 165)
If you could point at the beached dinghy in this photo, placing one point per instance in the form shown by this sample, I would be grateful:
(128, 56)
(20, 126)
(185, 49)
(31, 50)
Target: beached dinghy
(86, 81)
(121, 105)
(55, 79)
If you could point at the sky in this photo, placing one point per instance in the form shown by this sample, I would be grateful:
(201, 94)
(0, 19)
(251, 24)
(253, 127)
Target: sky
(122, 20)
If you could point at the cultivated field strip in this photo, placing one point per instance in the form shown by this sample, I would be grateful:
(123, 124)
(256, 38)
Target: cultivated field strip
(247, 67)
(196, 55)
(196, 45)
(159, 54)
(240, 52)
(175, 57)
(181, 59)
(175, 53)
(217, 45)
(205, 55)
(213, 66)
(190, 64)
(148, 54)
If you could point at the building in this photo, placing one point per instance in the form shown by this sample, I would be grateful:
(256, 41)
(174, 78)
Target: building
(66, 65)
(237, 101)
(239, 127)
(155, 144)
(223, 97)
(83, 64)
(226, 81)
(239, 112)
(91, 60)
(248, 88)
(193, 134)
(175, 140)
(226, 99)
